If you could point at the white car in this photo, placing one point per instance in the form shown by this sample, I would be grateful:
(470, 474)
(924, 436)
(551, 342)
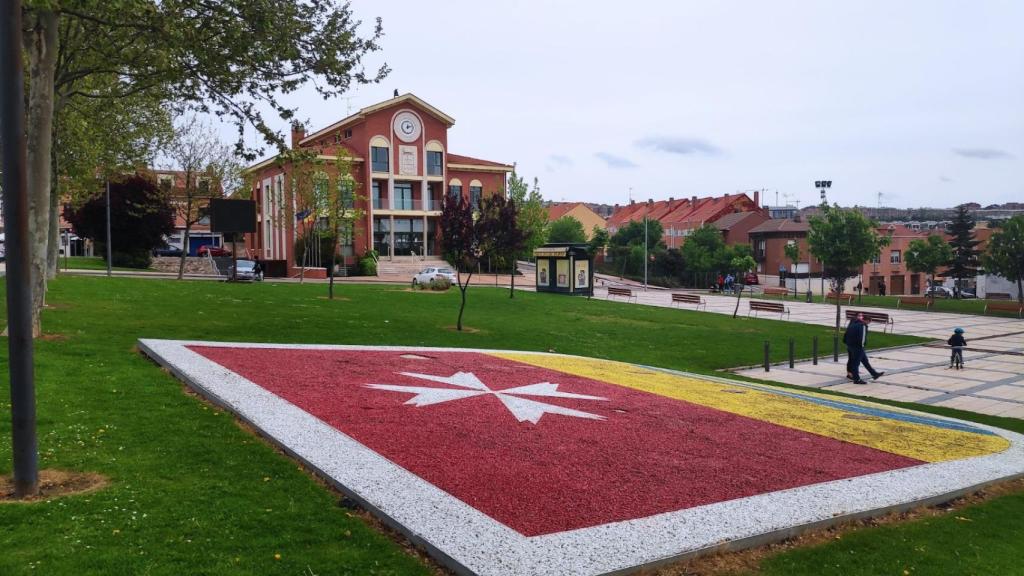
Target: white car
(428, 274)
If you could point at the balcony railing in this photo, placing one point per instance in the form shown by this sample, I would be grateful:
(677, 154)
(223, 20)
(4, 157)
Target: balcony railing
(380, 203)
(427, 204)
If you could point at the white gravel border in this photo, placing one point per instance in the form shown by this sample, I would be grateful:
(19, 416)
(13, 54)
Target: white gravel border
(470, 542)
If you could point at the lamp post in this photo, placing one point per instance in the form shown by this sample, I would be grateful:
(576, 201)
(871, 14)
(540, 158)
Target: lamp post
(646, 214)
(823, 186)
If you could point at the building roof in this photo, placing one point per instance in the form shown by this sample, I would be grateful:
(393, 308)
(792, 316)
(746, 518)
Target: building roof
(404, 98)
(729, 220)
(557, 210)
(469, 161)
(779, 225)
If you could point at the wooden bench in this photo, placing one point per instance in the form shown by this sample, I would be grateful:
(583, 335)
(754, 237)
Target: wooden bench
(762, 306)
(624, 292)
(885, 319)
(776, 291)
(1011, 306)
(688, 299)
(997, 296)
(844, 296)
(914, 301)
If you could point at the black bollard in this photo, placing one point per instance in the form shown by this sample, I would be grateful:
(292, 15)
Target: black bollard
(767, 356)
(791, 347)
(835, 348)
(814, 350)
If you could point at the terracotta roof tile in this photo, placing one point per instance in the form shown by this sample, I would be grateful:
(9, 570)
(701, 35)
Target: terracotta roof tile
(457, 159)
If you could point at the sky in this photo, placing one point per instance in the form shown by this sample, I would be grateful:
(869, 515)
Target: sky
(919, 101)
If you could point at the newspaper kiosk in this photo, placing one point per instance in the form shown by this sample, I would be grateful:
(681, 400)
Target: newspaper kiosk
(564, 268)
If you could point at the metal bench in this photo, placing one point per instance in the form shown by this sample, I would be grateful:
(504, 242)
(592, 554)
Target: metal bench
(624, 292)
(1011, 306)
(688, 299)
(885, 319)
(997, 296)
(914, 301)
(775, 291)
(762, 306)
(844, 296)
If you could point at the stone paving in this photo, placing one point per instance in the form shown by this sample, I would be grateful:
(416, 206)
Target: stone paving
(992, 381)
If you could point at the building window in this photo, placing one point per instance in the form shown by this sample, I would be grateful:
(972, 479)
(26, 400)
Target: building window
(877, 259)
(379, 159)
(434, 163)
(455, 191)
(403, 196)
(375, 194)
(166, 182)
(894, 257)
(475, 193)
(348, 133)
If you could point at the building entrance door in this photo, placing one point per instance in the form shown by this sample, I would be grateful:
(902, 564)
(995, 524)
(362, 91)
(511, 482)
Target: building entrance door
(896, 285)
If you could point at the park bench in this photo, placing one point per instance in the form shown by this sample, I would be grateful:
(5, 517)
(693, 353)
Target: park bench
(624, 292)
(762, 306)
(688, 299)
(1011, 306)
(775, 291)
(997, 296)
(885, 319)
(844, 296)
(914, 301)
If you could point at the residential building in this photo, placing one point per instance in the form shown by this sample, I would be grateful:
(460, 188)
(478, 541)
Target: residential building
(679, 218)
(580, 211)
(401, 167)
(736, 227)
(769, 239)
(173, 182)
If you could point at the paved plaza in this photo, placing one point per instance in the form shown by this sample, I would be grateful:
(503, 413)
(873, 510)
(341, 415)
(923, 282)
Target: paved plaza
(992, 381)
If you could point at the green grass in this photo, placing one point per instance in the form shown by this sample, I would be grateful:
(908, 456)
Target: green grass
(967, 306)
(192, 493)
(89, 263)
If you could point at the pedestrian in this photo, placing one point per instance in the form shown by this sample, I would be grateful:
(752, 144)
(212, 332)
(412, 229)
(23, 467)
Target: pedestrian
(957, 343)
(720, 282)
(728, 282)
(881, 287)
(856, 338)
(859, 287)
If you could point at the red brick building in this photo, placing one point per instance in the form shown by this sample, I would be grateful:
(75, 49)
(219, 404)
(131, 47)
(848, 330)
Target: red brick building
(402, 168)
(679, 218)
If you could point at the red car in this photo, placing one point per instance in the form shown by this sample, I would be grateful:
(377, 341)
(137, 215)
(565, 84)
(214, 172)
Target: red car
(750, 278)
(212, 251)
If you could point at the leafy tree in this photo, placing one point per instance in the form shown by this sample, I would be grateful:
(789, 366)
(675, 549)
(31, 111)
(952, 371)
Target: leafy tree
(598, 240)
(499, 227)
(461, 242)
(627, 245)
(742, 265)
(792, 252)
(140, 216)
(842, 240)
(927, 256)
(1005, 255)
(531, 216)
(566, 229)
(705, 252)
(334, 204)
(206, 167)
(243, 58)
(965, 253)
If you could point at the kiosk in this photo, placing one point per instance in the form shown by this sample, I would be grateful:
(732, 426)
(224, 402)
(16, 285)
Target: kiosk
(565, 268)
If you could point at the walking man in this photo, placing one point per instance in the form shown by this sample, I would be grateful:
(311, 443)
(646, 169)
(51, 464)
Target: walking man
(855, 338)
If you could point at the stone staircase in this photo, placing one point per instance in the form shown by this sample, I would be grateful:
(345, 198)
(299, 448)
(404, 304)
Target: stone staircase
(404, 267)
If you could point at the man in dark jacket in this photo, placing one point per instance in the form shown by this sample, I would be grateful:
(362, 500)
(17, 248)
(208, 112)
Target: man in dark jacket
(855, 338)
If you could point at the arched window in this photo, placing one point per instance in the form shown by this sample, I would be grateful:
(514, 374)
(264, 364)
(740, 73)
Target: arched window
(380, 154)
(435, 158)
(476, 192)
(454, 188)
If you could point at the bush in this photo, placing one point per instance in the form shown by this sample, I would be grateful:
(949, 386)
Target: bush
(440, 284)
(140, 259)
(368, 264)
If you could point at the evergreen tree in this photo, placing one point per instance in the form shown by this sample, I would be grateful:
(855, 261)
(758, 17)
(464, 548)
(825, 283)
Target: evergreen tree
(965, 254)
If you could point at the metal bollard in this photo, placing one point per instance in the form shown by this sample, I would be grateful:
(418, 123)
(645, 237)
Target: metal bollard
(835, 348)
(814, 350)
(767, 356)
(791, 347)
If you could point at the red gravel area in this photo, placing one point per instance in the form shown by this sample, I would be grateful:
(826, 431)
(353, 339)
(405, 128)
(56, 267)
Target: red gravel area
(650, 455)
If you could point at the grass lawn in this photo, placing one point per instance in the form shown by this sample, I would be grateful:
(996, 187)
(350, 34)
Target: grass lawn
(89, 263)
(193, 493)
(967, 306)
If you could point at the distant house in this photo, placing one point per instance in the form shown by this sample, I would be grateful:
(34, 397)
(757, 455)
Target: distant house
(736, 227)
(769, 239)
(173, 182)
(578, 210)
(679, 218)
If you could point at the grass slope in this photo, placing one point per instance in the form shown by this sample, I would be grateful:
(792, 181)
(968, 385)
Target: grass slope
(193, 493)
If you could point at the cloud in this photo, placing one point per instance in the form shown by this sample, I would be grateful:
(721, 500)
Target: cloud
(945, 179)
(615, 161)
(560, 160)
(682, 146)
(982, 153)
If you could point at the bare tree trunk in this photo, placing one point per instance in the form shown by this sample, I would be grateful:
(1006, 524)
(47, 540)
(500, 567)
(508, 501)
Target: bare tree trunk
(41, 45)
(738, 294)
(53, 246)
(462, 291)
(1020, 292)
(184, 250)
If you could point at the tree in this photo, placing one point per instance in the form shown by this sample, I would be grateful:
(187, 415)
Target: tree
(965, 254)
(627, 244)
(206, 167)
(742, 265)
(598, 240)
(531, 216)
(499, 229)
(566, 229)
(792, 252)
(843, 241)
(926, 256)
(335, 205)
(140, 216)
(461, 242)
(243, 58)
(1005, 255)
(704, 252)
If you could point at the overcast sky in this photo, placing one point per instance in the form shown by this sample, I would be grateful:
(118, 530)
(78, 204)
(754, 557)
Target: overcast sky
(922, 101)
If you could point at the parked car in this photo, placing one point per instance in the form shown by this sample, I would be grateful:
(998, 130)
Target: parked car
(427, 274)
(167, 250)
(938, 292)
(248, 270)
(750, 278)
(212, 251)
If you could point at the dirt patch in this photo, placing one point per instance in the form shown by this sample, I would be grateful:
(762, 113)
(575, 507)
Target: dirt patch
(749, 560)
(466, 329)
(54, 484)
(418, 291)
(53, 337)
(58, 306)
(339, 298)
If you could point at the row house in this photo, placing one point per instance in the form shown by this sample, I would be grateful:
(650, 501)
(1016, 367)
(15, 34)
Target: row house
(398, 150)
(679, 218)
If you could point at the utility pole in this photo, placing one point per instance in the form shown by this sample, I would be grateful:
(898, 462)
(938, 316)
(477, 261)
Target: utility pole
(109, 273)
(19, 290)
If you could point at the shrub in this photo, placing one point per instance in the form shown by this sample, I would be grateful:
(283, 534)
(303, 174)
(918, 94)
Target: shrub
(135, 259)
(440, 283)
(368, 264)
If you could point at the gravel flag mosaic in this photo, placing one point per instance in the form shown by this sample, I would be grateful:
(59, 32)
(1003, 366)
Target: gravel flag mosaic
(502, 462)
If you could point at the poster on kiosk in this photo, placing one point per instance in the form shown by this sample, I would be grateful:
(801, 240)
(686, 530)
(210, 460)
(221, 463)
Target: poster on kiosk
(565, 269)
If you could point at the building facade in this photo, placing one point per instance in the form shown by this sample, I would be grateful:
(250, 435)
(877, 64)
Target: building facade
(679, 218)
(401, 166)
(581, 212)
